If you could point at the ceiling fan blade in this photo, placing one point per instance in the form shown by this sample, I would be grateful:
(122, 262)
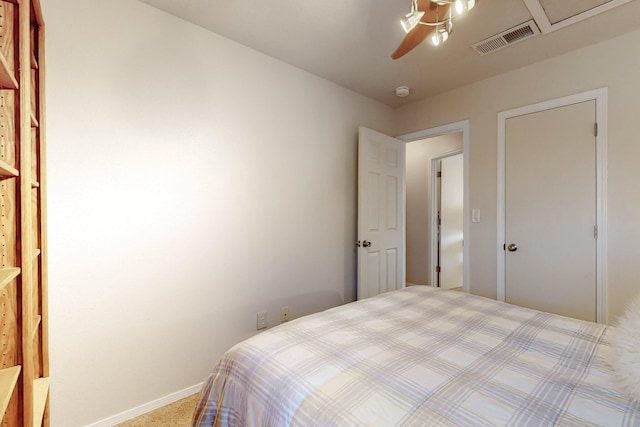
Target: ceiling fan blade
(433, 13)
(411, 40)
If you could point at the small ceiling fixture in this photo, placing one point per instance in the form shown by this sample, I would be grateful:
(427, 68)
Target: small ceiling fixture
(402, 91)
(427, 17)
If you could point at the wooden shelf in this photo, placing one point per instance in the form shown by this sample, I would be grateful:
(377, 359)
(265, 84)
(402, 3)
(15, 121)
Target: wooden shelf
(7, 171)
(36, 323)
(34, 120)
(7, 79)
(35, 184)
(8, 381)
(7, 274)
(40, 393)
(36, 253)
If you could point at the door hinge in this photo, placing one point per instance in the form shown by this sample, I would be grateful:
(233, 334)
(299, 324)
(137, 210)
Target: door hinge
(439, 174)
(595, 231)
(438, 269)
(595, 129)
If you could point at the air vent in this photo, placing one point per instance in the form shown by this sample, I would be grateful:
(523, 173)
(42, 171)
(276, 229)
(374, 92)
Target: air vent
(507, 38)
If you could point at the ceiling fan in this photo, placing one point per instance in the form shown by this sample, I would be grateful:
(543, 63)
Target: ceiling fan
(427, 17)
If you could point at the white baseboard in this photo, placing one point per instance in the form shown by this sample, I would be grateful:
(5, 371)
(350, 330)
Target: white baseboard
(147, 407)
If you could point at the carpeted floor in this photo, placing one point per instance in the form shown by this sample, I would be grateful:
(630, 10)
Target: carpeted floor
(177, 414)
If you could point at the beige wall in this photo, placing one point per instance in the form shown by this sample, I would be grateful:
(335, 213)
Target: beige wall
(611, 64)
(418, 199)
(193, 182)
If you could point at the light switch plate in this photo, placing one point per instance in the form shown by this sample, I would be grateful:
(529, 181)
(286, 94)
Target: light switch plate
(475, 215)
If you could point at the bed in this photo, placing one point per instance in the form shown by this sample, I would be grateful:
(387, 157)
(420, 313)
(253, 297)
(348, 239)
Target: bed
(420, 356)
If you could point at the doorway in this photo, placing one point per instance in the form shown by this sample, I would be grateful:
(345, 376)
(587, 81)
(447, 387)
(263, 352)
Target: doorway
(422, 244)
(381, 241)
(551, 232)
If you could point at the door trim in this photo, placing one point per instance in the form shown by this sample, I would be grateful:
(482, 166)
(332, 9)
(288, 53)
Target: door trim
(461, 126)
(600, 96)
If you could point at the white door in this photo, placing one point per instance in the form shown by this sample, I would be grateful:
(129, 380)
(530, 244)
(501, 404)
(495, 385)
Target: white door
(550, 210)
(381, 216)
(451, 221)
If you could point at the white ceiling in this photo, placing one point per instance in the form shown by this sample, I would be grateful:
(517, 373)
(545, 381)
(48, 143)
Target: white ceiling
(350, 42)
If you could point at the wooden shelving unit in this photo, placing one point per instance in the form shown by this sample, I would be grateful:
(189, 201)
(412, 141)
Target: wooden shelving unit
(24, 341)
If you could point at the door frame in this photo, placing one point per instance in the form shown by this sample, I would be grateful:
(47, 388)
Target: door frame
(461, 126)
(600, 96)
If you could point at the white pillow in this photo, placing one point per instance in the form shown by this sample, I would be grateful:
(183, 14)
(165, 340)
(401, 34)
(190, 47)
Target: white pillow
(625, 340)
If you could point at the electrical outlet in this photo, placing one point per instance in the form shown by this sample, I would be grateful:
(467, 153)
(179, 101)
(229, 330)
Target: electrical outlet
(261, 320)
(284, 314)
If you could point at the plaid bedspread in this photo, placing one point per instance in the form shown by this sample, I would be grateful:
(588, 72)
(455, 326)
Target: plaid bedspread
(419, 357)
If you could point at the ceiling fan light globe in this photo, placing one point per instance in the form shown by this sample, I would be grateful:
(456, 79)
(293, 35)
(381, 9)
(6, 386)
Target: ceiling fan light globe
(461, 6)
(410, 20)
(435, 39)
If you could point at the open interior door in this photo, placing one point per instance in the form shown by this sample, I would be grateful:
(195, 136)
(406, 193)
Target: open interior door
(381, 213)
(451, 222)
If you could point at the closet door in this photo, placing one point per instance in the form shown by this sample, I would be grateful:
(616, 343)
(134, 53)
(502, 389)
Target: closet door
(550, 210)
